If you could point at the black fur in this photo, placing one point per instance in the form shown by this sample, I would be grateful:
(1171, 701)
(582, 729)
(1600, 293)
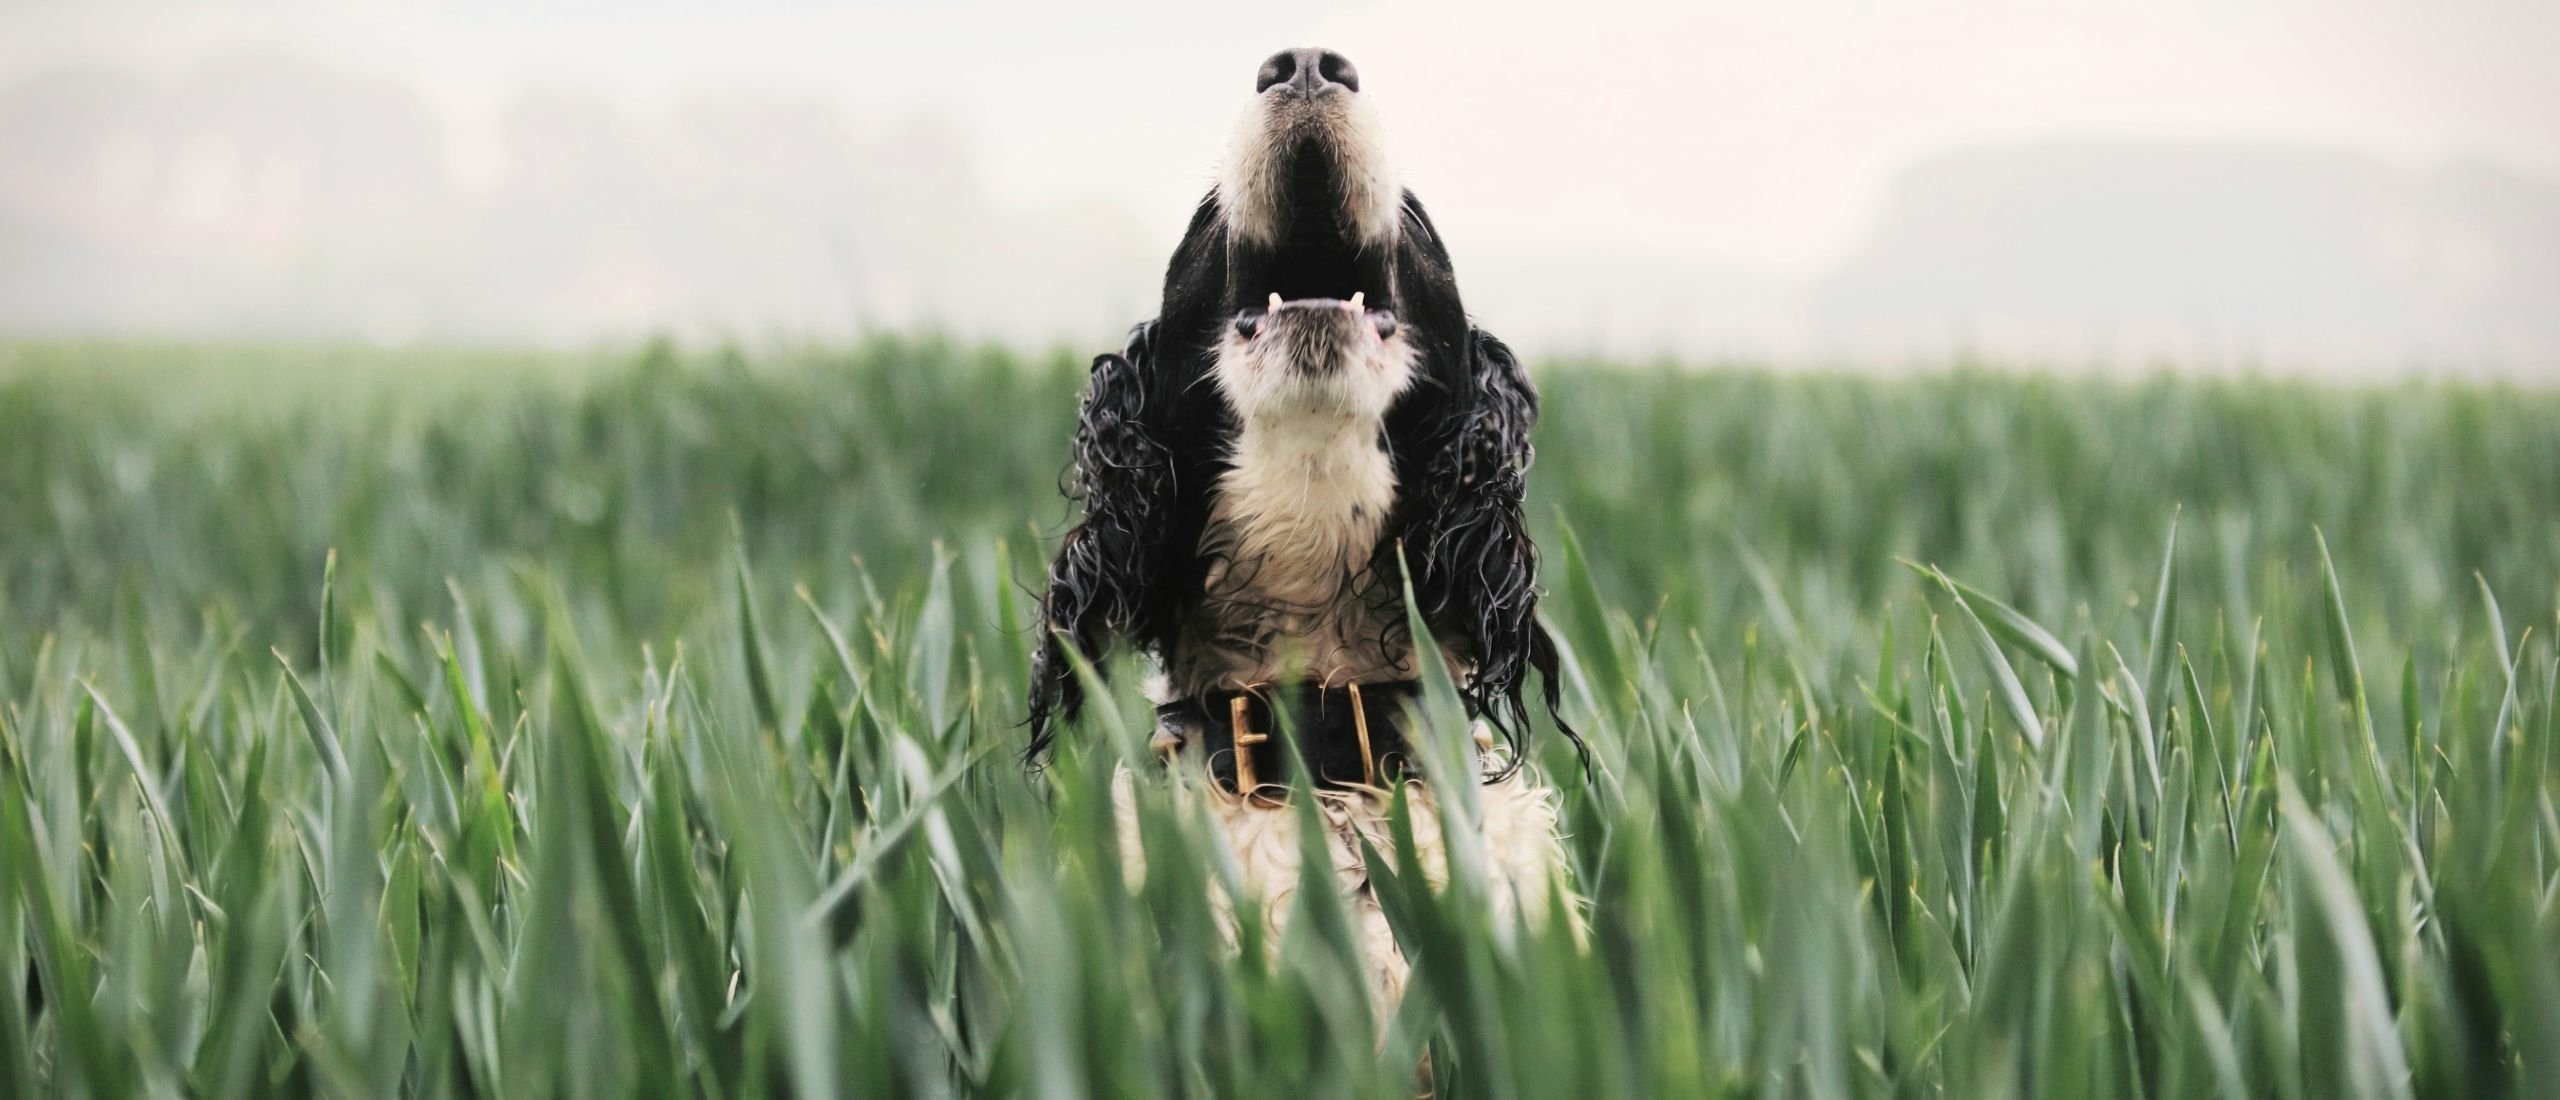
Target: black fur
(1153, 443)
(1102, 584)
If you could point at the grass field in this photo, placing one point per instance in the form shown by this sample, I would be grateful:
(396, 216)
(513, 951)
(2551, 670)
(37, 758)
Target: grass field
(647, 724)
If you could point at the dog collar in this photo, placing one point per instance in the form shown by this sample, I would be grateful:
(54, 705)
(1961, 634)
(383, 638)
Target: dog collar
(1347, 736)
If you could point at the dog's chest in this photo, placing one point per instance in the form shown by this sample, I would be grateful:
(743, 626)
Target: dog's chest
(1289, 544)
(1300, 508)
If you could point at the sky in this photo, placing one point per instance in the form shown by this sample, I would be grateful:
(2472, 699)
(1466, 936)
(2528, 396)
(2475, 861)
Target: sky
(1757, 134)
(1755, 137)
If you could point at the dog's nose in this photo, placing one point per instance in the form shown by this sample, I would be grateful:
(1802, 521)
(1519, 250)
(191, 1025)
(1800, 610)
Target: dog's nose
(1309, 70)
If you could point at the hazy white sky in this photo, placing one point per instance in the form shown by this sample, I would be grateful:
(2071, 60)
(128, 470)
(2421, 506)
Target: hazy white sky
(1751, 134)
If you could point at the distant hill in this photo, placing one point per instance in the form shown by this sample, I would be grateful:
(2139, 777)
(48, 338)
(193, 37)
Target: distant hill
(1581, 301)
(2218, 250)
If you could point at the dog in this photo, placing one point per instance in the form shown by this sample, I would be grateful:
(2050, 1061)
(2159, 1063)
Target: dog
(1310, 425)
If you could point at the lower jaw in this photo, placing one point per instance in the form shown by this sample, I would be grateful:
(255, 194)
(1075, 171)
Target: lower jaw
(1340, 325)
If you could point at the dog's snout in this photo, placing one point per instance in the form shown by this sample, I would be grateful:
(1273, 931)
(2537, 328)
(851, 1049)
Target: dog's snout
(1309, 70)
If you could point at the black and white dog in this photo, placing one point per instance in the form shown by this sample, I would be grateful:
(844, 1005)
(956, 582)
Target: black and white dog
(1310, 422)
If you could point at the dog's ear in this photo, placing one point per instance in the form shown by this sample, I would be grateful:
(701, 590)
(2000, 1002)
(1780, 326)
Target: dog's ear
(1102, 582)
(1148, 432)
(1428, 305)
(1462, 455)
(1195, 278)
(1466, 541)
(1189, 418)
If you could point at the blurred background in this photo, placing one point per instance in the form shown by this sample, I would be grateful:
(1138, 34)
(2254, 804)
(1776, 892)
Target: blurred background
(2348, 187)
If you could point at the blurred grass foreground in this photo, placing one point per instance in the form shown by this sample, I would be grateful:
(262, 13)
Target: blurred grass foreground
(420, 724)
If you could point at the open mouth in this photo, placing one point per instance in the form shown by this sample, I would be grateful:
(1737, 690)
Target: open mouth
(1317, 256)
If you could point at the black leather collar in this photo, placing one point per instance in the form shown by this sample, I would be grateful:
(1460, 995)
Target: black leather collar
(1323, 732)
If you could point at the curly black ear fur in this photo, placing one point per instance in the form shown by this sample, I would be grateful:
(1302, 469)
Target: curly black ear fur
(1466, 540)
(1102, 582)
(1462, 454)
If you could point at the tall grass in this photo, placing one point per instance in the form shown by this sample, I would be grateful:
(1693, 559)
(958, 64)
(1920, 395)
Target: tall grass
(655, 734)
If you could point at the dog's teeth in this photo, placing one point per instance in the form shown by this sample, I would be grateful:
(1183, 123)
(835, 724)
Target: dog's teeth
(1356, 298)
(1275, 303)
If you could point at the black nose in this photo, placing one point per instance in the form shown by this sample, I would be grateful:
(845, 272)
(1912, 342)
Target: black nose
(1308, 70)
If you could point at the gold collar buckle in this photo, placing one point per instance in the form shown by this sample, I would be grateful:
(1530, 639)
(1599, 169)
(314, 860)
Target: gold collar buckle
(1238, 710)
(1360, 725)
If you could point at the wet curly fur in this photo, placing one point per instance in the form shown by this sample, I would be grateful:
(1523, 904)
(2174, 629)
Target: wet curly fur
(1155, 438)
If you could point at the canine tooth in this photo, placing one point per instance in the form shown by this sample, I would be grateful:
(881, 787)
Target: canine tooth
(1356, 298)
(1275, 303)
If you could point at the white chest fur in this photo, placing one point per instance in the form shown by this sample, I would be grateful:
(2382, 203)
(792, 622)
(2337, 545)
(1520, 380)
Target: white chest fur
(1302, 505)
(1289, 542)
